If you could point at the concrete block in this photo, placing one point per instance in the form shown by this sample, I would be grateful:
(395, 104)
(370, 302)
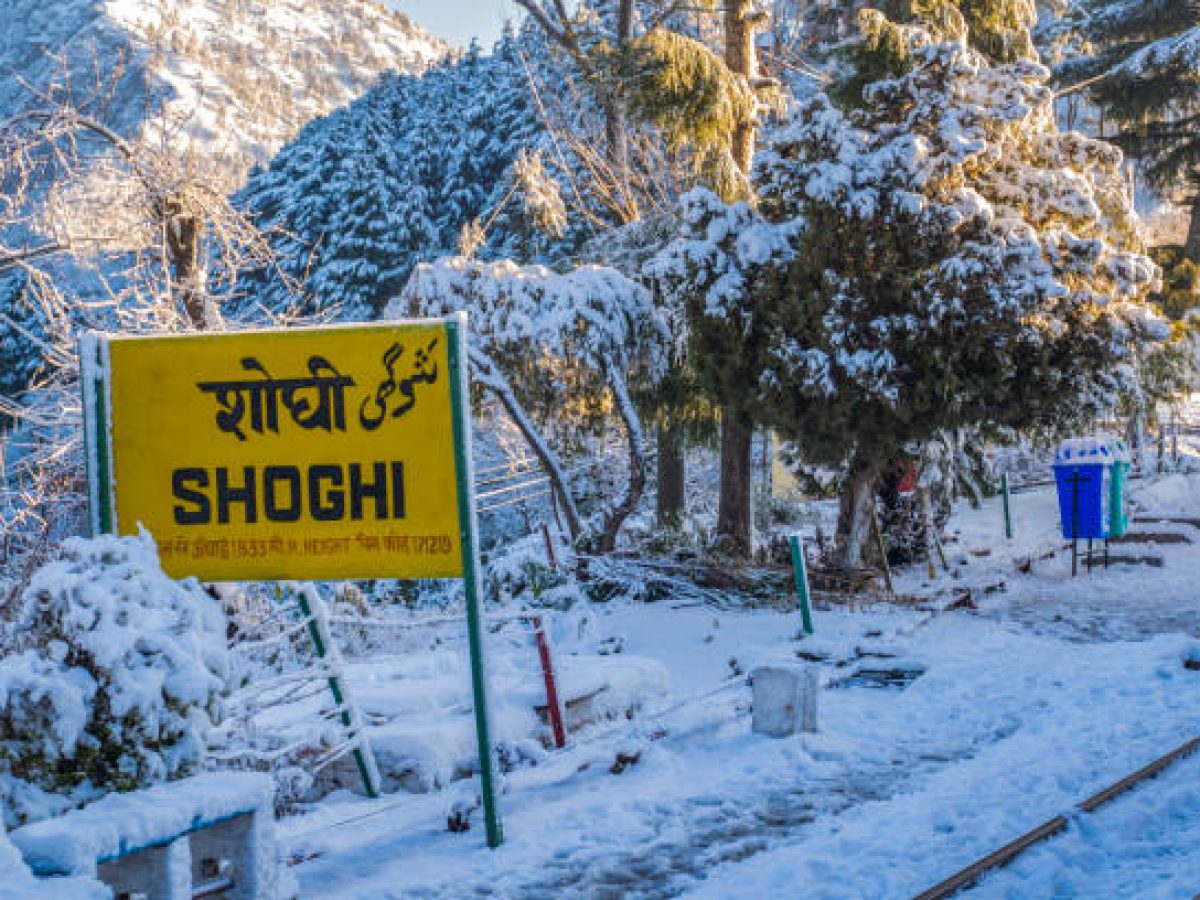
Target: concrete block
(157, 873)
(785, 700)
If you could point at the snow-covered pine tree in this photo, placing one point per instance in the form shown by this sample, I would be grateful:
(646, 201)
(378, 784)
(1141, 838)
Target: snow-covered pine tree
(648, 66)
(725, 270)
(20, 332)
(998, 29)
(962, 263)
(1139, 61)
(706, 102)
(954, 261)
(363, 253)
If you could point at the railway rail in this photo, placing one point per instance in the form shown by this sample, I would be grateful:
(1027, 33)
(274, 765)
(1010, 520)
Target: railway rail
(968, 876)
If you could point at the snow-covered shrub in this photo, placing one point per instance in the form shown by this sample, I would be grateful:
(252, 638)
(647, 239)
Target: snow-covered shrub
(118, 674)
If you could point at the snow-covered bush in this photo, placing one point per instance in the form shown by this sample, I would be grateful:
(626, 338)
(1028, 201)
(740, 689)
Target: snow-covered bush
(522, 574)
(117, 675)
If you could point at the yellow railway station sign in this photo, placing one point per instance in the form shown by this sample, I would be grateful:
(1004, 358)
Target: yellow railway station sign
(308, 454)
(325, 453)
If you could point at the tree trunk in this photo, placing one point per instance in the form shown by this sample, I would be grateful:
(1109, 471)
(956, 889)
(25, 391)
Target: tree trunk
(855, 507)
(672, 469)
(734, 516)
(1191, 247)
(182, 244)
(616, 516)
(616, 129)
(616, 121)
(739, 57)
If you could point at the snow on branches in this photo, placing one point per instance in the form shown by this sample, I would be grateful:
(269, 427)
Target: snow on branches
(717, 279)
(721, 253)
(1016, 232)
(548, 340)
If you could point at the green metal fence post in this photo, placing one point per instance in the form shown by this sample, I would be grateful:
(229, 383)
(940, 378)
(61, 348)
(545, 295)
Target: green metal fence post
(1008, 528)
(800, 571)
(318, 630)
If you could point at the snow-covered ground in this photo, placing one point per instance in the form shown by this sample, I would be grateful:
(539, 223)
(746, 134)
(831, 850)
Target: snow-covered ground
(1051, 689)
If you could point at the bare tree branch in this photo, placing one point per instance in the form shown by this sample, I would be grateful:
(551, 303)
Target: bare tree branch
(10, 259)
(556, 25)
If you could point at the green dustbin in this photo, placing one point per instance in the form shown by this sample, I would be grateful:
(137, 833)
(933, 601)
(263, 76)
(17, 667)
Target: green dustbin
(1118, 497)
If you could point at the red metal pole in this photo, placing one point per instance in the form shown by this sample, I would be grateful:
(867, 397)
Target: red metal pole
(549, 547)
(554, 506)
(552, 704)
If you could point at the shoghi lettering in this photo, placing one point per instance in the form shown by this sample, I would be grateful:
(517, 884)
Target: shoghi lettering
(322, 493)
(317, 401)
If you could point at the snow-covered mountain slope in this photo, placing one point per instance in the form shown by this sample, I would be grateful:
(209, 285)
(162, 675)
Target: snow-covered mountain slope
(236, 79)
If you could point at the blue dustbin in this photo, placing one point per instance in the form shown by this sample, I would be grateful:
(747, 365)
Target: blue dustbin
(1083, 473)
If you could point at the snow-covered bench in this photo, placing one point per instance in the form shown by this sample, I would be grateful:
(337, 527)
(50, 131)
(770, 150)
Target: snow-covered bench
(18, 882)
(211, 835)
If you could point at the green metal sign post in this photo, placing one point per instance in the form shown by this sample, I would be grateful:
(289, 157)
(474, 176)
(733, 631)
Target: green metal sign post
(92, 367)
(800, 571)
(456, 328)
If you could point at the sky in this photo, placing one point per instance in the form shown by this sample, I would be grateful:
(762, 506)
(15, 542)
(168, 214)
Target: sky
(459, 20)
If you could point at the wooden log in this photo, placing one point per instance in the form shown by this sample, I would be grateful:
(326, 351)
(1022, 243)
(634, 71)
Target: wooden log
(1172, 520)
(1151, 537)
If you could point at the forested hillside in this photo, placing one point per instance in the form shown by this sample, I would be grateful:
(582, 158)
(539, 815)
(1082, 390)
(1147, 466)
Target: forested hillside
(233, 79)
(724, 445)
(364, 194)
(210, 88)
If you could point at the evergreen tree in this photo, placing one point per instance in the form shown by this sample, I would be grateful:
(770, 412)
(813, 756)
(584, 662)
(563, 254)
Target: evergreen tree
(1140, 62)
(952, 260)
(966, 265)
(997, 29)
(725, 269)
(20, 330)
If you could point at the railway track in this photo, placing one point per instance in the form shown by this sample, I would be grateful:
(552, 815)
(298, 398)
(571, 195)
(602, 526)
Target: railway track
(968, 876)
